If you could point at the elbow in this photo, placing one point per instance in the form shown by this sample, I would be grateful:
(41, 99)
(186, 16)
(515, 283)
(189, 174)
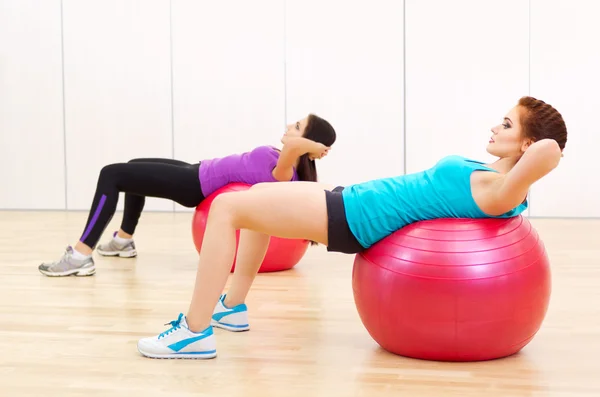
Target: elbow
(554, 153)
(550, 145)
(550, 151)
(293, 147)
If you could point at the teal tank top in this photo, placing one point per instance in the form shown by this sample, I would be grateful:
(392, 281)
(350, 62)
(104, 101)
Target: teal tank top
(377, 208)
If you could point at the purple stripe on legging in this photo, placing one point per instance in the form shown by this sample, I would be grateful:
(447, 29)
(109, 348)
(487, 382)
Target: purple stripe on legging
(94, 218)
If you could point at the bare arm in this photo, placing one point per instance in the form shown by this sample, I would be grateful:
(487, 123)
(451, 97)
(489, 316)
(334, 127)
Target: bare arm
(292, 149)
(537, 161)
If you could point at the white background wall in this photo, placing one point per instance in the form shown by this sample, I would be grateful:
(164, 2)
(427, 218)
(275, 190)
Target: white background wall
(403, 83)
(228, 77)
(344, 62)
(463, 74)
(565, 69)
(117, 89)
(32, 156)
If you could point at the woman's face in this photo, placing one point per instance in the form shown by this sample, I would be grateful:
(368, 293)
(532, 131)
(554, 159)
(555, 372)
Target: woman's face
(507, 139)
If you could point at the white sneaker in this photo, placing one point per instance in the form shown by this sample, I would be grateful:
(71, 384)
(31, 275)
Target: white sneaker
(180, 342)
(230, 318)
(67, 265)
(113, 248)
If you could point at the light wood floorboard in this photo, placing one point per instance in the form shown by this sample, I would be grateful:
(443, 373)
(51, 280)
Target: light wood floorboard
(77, 336)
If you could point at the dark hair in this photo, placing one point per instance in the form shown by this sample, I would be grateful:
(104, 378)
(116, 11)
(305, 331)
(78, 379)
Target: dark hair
(541, 121)
(317, 130)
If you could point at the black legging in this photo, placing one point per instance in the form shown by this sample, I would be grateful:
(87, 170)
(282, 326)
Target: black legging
(140, 178)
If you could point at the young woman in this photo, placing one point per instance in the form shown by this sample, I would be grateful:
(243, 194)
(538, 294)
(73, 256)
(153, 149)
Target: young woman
(528, 145)
(187, 184)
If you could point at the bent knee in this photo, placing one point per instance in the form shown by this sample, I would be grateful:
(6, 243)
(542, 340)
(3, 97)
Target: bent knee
(225, 207)
(224, 202)
(109, 171)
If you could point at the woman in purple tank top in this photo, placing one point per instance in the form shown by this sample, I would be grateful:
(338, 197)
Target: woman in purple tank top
(187, 184)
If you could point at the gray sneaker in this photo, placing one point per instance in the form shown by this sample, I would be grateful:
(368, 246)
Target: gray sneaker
(69, 266)
(112, 248)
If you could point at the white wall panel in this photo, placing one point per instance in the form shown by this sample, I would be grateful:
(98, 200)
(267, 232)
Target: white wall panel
(32, 167)
(117, 89)
(345, 63)
(466, 67)
(242, 70)
(228, 66)
(564, 72)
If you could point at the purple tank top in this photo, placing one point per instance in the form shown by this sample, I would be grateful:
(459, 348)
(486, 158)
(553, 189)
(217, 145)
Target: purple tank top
(250, 167)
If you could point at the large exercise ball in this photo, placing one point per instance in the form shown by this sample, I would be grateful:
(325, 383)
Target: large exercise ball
(454, 289)
(282, 254)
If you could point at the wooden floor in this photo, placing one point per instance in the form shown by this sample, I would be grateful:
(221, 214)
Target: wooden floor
(77, 336)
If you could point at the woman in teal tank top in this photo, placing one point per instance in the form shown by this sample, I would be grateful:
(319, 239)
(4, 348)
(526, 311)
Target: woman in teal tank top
(528, 144)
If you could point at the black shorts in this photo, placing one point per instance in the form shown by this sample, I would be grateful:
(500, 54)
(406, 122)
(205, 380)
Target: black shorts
(339, 234)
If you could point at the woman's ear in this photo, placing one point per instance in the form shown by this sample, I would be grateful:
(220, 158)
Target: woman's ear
(528, 142)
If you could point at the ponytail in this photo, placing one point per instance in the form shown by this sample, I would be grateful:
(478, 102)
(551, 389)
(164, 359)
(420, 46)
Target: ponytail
(317, 130)
(306, 169)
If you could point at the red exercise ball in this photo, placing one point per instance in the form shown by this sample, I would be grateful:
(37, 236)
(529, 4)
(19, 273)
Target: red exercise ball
(282, 254)
(454, 289)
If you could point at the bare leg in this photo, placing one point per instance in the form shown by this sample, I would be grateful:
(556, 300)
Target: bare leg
(251, 252)
(284, 209)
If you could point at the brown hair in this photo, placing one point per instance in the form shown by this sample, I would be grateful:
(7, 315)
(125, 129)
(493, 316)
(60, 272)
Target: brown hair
(318, 130)
(541, 121)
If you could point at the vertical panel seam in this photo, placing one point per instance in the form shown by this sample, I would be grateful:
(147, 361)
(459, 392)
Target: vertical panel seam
(284, 64)
(64, 111)
(171, 81)
(529, 74)
(404, 85)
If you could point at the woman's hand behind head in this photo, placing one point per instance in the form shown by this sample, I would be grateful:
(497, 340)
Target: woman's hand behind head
(319, 151)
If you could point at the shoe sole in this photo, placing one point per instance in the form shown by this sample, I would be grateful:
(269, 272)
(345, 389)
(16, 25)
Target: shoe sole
(90, 271)
(180, 356)
(121, 254)
(229, 327)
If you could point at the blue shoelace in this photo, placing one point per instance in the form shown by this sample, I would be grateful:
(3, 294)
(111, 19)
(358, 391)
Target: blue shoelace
(175, 325)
